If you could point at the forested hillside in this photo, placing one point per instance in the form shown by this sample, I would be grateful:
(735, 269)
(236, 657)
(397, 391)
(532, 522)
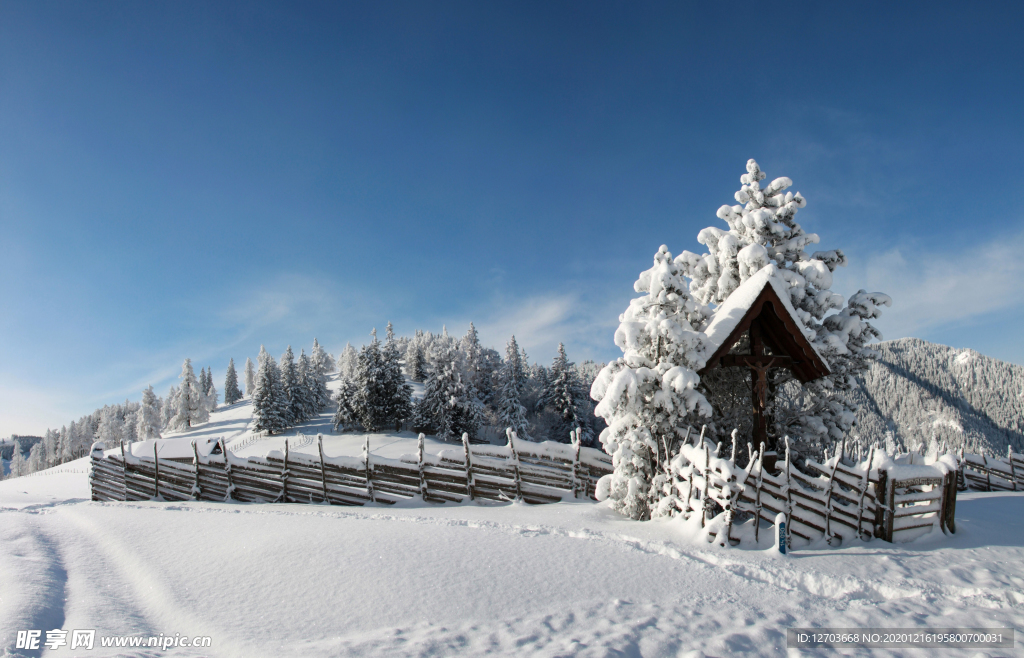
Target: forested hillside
(919, 391)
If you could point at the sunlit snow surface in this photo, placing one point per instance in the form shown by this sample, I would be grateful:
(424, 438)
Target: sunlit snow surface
(437, 580)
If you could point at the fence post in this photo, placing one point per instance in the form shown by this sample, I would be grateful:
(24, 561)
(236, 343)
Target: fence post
(1013, 471)
(757, 497)
(890, 512)
(283, 496)
(366, 470)
(197, 491)
(789, 500)
(124, 470)
(707, 486)
(576, 463)
(988, 472)
(863, 492)
(951, 506)
(469, 465)
(515, 462)
(229, 492)
(156, 474)
(828, 492)
(323, 469)
(423, 481)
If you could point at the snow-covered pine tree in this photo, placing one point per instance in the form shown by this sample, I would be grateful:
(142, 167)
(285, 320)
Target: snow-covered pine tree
(50, 447)
(189, 408)
(348, 362)
(147, 423)
(168, 408)
(17, 467)
(250, 377)
(346, 418)
(648, 395)
(321, 366)
(204, 382)
(512, 380)
(448, 407)
(565, 396)
(269, 403)
(289, 384)
(416, 366)
(397, 394)
(35, 462)
(305, 390)
(111, 426)
(763, 232)
(231, 392)
(211, 396)
(372, 401)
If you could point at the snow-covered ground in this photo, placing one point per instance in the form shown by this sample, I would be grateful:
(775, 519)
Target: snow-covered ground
(420, 579)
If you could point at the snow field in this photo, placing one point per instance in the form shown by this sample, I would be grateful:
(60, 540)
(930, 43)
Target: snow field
(572, 578)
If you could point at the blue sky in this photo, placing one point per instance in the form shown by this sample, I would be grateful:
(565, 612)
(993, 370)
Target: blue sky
(193, 179)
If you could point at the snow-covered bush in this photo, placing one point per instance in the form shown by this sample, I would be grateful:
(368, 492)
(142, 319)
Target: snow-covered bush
(649, 395)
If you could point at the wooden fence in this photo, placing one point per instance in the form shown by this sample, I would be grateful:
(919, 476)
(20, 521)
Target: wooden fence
(986, 473)
(520, 470)
(878, 497)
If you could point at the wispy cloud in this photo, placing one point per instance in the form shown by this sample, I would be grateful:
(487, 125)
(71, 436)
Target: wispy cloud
(936, 289)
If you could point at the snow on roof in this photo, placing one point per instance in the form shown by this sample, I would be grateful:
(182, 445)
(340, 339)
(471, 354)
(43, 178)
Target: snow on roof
(729, 313)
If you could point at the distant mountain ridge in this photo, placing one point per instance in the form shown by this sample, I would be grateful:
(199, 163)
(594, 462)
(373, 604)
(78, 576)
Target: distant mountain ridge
(919, 391)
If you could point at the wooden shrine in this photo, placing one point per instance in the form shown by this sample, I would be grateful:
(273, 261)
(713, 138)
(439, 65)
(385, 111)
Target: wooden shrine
(756, 329)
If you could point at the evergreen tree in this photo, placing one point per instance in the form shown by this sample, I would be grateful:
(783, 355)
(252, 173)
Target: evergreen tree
(50, 448)
(321, 365)
(269, 402)
(511, 412)
(34, 462)
(565, 396)
(211, 395)
(648, 396)
(168, 408)
(18, 467)
(231, 392)
(250, 377)
(147, 423)
(448, 407)
(111, 427)
(306, 388)
(289, 384)
(190, 407)
(763, 232)
(416, 366)
(348, 363)
(346, 417)
(372, 402)
(397, 394)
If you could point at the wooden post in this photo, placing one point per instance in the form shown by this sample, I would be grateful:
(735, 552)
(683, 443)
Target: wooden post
(197, 491)
(828, 493)
(124, 470)
(951, 507)
(693, 471)
(156, 473)
(419, 460)
(515, 462)
(880, 488)
(863, 492)
(707, 486)
(366, 470)
(789, 499)
(227, 471)
(283, 497)
(469, 466)
(576, 464)
(757, 497)
(988, 472)
(323, 468)
(890, 512)
(1013, 472)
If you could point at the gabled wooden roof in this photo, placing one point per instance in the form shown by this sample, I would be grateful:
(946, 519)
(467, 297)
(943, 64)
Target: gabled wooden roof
(778, 328)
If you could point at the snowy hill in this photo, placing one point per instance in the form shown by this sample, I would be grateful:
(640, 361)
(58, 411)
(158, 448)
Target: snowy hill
(919, 391)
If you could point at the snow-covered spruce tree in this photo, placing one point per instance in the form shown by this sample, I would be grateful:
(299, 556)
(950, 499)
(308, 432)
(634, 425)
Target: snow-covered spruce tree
(763, 232)
(231, 392)
(50, 439)
(168, 408)
(348, 363)
(416, 367)
(189, 408)
(290, 384)
(397, 394)
(111, 427)
(17, 467)
(371, 402)
(321, 365)
(147, 423)
(269, 402)
(448, 407)
(565, 396)
(512, 380)
(306, 388)
(211, 392)
(648, 395)
(35, 462)
(346, 418)
(250, 377)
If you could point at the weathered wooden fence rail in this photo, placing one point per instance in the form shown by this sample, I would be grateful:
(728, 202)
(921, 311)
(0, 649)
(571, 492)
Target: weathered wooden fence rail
(878, 497)
(990, 473)
(521, 470)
